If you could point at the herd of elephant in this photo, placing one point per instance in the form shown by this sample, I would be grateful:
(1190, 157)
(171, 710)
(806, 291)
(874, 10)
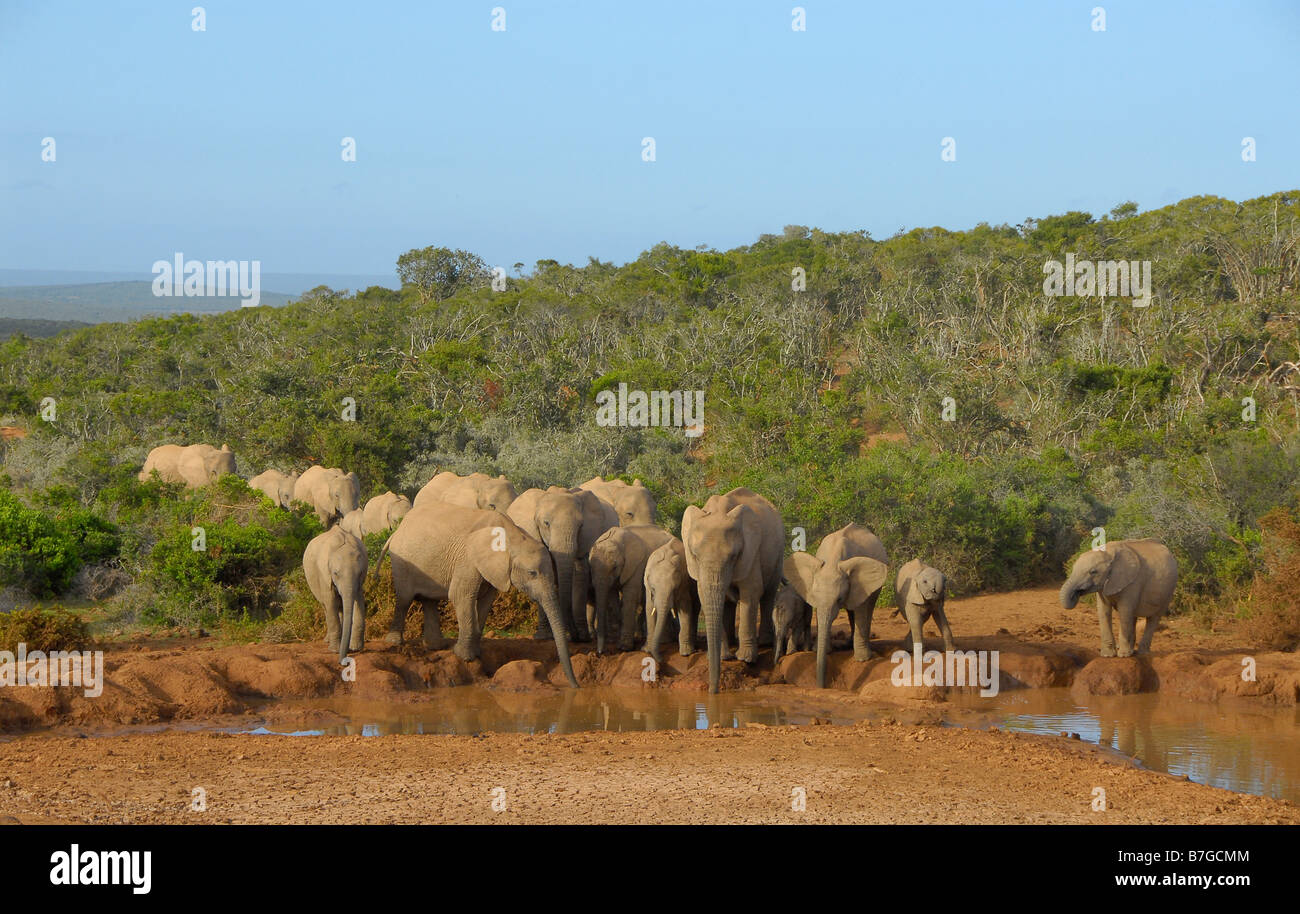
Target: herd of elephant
(581, 552)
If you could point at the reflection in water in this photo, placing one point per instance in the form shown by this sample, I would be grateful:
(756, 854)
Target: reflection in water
(473, 709)
(1229, 744)
(1251, 749)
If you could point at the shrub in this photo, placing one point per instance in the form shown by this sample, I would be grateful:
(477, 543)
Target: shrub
(42, 552)
(49, 629)
(1273, 615)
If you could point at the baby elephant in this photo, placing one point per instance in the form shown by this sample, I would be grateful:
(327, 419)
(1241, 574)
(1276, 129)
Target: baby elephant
(1137, 577)
(791, 623)
(335, 564)
(920, 591)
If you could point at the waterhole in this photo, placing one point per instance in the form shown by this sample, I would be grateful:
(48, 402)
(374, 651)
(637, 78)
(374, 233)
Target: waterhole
(1238, 746)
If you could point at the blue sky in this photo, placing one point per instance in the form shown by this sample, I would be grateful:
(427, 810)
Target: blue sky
(526, 144)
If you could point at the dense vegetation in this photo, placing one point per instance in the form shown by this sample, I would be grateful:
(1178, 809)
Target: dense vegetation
(1070, 412)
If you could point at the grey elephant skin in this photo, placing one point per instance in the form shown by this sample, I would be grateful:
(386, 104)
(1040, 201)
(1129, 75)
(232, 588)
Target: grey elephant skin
(384, 512)
(330, 491)
(276, 486)
(335, 565)
(354, 522)
(617, 561)
(568, 522)
(733, 546)
(791, 623)
(1135, 578)
(670, 592)
(848, 571)
(633, 504)
(468, 556)
(195, 465)
(477, 490)
(920, 591)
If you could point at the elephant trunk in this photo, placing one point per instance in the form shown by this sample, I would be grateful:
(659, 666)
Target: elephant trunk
(603, 587)
(348, 597)
(1069, 595)
(655, 635)
(778, 641)
(564, 560)
(713, 600)
(551, 607)
(824, 619)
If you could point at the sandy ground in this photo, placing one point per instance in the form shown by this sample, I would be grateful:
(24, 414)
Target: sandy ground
(878, 773)
(901, 767)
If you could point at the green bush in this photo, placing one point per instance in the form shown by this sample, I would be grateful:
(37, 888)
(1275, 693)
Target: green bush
(41, 551)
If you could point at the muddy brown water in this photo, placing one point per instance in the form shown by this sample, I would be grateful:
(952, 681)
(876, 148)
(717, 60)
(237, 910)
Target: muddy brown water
(1240, 747)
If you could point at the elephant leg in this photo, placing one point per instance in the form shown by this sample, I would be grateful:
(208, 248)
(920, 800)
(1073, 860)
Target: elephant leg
(862, 629)
(404, 596)
(1149, 629)
(916, 625)
(543, 632)
(1127, 607)
(333, 620)
(941, 620)
(631, 603)
(579, 612)
(748, 610)
(485, 601)
(686, 624)
(728, 630)
(1103, 620)
(432, 612)
(464, 599)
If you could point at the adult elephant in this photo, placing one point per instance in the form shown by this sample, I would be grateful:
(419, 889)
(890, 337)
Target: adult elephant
(633, 504)
(568, 522)
(330, 491)
(335, 565)
(468, 556)
(477, 490)
(734, 545)
(195, 465)
(384, 512)
(1136, 577)
(617, 561)
(848, 571)
(275, 485)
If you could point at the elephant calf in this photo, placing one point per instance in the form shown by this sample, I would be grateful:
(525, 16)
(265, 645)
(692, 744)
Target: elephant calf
(617, 562)
(1136, 577)
(920, 591)
(335, 565)
(669, 593)
(791, 623)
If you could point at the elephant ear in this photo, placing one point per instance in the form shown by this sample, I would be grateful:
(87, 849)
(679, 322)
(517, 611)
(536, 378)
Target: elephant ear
(866, 576)
(492, 564)
(689, 517)
(597, 517)
(1124, 569)
(800, 570)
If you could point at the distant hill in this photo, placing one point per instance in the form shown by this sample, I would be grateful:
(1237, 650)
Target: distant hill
(35, 328)
(111, 301)
(96, 297)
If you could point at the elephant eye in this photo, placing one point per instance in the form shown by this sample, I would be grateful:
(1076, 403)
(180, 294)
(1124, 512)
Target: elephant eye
(532, 574)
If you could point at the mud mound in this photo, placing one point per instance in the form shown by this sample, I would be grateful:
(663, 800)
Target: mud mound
(521, 676)
(1115, 676)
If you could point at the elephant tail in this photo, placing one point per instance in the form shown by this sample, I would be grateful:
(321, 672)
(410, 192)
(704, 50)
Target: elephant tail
(382, 552)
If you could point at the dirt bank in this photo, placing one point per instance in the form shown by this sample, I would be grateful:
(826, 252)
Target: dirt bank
(869, 773)
(1039, 645)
